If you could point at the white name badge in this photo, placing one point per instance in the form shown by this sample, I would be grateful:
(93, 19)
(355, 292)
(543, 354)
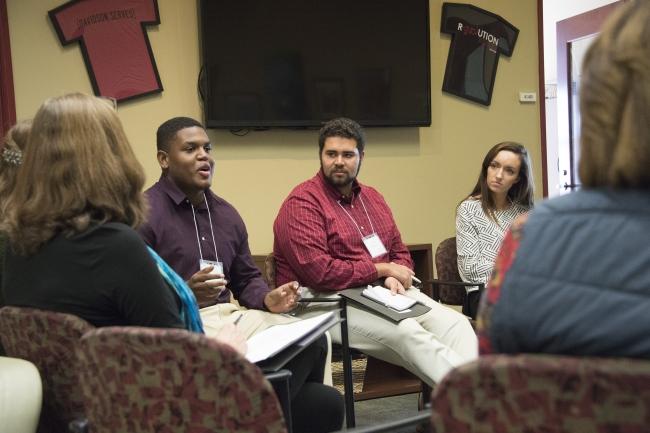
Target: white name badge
(218, 266)
(218, 269)
(374, 245)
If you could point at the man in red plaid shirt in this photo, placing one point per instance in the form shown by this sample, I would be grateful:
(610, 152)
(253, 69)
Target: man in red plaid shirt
(334, 233)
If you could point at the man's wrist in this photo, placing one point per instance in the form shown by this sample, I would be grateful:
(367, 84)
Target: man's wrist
(382, 269)
(265, 305)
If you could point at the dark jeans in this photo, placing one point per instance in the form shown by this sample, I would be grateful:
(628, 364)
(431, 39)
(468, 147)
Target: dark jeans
(315, 408)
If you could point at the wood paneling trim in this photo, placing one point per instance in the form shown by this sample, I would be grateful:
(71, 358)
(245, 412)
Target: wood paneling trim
(7, 98)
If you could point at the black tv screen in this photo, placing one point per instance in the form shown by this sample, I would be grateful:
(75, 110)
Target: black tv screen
(299, 63)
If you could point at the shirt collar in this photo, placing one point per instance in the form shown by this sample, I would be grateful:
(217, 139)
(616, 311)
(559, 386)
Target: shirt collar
(175, 193)
(335, 194)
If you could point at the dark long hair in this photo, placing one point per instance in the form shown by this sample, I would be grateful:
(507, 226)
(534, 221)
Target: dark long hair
(520, 193)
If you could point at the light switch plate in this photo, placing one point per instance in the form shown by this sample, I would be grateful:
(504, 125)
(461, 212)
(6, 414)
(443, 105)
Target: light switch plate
(527, 96)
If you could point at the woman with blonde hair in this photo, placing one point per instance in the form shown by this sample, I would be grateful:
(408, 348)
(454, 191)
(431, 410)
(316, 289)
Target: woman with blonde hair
(70, 220)
(503, 191)
(574, 278)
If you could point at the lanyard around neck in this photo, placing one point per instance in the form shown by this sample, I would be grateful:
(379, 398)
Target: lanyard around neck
(196, 227)
(352, 219)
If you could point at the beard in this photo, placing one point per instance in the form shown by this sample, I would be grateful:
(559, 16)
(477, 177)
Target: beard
(338, 181)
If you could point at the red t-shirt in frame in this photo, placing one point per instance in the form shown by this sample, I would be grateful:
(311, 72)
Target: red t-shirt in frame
(114, 43)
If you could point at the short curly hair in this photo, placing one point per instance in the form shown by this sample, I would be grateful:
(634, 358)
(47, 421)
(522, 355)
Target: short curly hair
(168, 129)
(342, 127)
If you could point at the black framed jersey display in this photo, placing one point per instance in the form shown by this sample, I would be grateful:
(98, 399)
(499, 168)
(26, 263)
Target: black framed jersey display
(478, 38)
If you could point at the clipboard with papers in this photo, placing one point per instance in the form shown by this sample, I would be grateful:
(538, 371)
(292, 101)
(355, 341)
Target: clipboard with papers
(356, 294)
(272, 348)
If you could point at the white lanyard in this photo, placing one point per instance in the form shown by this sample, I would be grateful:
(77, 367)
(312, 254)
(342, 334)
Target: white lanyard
(196, 227)
(352, 219)
(373, 244)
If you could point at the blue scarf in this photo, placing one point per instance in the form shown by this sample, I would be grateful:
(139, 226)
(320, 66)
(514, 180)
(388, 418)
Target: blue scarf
(189, 307)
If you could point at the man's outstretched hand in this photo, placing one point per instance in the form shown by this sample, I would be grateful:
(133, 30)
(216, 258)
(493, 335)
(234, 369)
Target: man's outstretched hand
(283, 298)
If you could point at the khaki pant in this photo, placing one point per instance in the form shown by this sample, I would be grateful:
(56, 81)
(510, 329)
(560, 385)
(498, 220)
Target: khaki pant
(428, 346)
(252, 322)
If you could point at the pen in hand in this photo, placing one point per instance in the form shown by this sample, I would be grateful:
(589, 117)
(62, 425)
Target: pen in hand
(416, 280)
(238, 319)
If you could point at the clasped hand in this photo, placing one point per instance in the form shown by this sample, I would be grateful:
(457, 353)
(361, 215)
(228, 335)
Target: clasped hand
(398, 277)
(394, 286)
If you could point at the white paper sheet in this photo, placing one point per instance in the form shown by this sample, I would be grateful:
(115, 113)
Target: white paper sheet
(271, 341)
(384, 296)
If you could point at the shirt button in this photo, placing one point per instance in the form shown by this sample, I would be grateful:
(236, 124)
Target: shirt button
(352, 206)
(362, 228)
(202, 238)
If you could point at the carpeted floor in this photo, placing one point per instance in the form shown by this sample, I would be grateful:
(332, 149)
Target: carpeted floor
(358, 371)
(381, 410)
(376, 411)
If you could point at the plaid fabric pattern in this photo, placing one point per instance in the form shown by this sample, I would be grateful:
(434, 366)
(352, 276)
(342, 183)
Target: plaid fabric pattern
(140, 380)
(48, 339)
(318, 236)
(544, 394)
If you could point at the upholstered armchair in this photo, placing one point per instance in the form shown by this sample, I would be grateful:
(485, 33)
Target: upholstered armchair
(21, 395)
(144, 380)
(48, 340)
(544, 393)
(449, 288)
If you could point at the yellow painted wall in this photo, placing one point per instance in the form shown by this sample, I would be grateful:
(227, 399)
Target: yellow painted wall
(422, 172)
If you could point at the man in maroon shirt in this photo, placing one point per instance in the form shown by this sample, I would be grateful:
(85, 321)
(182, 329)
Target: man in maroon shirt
(204, 240)
(333, 233)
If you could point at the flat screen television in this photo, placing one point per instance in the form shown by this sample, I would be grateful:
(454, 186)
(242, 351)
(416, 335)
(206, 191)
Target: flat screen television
(299, 63)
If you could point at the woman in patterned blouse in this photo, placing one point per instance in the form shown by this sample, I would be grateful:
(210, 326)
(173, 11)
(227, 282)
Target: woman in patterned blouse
(503, 191)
